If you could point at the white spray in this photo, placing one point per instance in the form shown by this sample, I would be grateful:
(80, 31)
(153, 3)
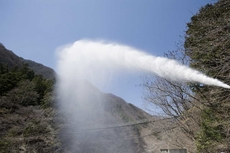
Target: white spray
(85, 107)
(94, 61)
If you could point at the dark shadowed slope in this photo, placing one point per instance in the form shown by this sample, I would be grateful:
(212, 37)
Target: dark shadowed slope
(8, 58)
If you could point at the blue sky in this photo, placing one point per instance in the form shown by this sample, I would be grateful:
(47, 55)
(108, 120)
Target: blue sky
(34, 29)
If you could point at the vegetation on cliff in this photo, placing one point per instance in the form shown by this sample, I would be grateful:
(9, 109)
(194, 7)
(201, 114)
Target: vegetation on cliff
(208, 46)
(26, 115)
(201, 111)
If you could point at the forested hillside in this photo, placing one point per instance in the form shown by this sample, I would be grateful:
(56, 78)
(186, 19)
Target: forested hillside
(31, 122)
(202, 112)
(208, 46)
(26, 115)
(197, 117)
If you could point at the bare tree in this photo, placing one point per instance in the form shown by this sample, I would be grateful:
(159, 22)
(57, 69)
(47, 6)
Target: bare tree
(176, 100)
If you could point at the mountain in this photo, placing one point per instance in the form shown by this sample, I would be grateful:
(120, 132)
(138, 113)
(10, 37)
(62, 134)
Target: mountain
(34, 118)
(100, 122)
(93, 121)
(10, 59)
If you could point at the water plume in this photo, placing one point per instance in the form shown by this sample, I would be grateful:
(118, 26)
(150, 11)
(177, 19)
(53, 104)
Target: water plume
(96, 61)
(84, 108)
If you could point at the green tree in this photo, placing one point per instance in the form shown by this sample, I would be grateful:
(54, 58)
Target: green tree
(24, 94)
(207, 43)
(42, 86)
